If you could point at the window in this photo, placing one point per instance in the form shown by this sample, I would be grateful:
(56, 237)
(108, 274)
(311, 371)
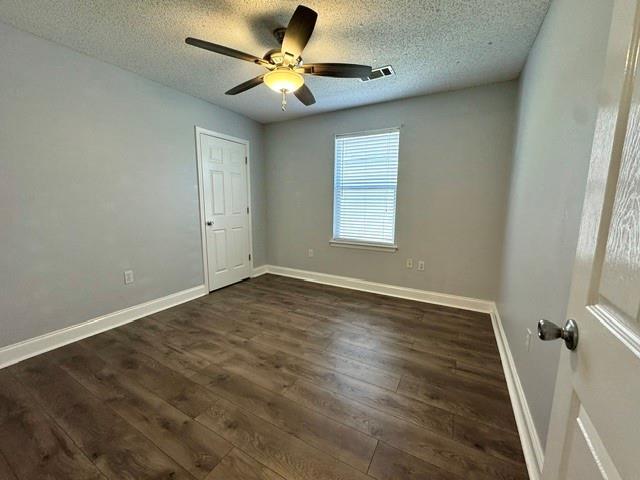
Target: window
(365, 187)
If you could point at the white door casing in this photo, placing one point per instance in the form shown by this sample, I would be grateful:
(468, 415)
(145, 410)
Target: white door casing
(595, 420)
(224, 204)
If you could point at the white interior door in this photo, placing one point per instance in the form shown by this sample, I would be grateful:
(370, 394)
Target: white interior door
(226, 210)
(595, 421)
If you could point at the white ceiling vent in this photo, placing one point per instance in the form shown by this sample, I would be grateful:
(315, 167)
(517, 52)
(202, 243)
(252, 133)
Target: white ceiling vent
(376, 73)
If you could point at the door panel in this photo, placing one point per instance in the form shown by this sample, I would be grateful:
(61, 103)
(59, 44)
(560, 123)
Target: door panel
(238, 236)
(595, 421)
(226, 209)
(217, 189)
(621, 271)
(238, 194)
(587, 458)
(219, 251)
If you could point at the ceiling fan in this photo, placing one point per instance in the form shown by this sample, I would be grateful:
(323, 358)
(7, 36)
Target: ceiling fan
(285, 66)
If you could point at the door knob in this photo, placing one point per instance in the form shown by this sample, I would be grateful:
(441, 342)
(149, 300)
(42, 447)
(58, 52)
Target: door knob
(550, 331)
(209, 223)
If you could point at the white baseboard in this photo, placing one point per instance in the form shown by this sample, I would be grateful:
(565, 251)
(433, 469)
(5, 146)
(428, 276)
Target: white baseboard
(35, 346)
(455, 301)
(261, 270)
(531, 445)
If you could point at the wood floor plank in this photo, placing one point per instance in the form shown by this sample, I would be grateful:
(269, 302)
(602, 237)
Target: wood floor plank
(113, 445)
(489, 359)
(440, 450)
(392, 464)
(196, 448)
(475, 371)
(32, 445)
(392, 363)
(5, 470)
(442, 330)
(331, 361)
(334, 314)
(273, 378)
(279, 451)
(142, 338)
(419, 412)
(240, 466)
(362, 338)
(177, 390)
(493, 411)
(333, 438)
(235, 356)
(494, 441)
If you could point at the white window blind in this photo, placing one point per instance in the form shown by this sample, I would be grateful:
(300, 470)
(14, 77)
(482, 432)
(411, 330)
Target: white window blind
(365, 186)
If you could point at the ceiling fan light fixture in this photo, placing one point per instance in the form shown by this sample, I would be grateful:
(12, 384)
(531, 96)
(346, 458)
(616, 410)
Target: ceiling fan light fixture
(283, 79)
(284, 65)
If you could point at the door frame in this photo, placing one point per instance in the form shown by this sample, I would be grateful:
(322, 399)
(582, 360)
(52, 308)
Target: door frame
(203, 227)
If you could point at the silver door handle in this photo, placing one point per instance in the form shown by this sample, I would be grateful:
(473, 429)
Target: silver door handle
(209, 223)
(550, 331)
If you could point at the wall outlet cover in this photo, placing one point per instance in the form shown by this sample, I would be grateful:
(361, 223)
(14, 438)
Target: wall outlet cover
(421, 265)
(310, 252)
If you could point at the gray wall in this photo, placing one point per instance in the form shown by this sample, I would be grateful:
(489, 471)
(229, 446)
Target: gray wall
(98, 175)
(455, 156)
(558, 98)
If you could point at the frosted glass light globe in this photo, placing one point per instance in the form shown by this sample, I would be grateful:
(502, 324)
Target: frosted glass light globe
(283, 79)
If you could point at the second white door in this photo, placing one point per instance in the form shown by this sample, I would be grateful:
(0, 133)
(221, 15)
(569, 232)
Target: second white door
(226, 210)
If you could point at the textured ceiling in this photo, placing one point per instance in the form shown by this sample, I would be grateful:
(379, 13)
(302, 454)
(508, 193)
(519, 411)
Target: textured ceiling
(433, 45)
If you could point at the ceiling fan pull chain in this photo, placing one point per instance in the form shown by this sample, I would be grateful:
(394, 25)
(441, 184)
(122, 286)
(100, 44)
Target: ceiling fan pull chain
(284, 100)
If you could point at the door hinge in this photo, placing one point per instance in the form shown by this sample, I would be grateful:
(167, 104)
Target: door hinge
(247, 209)
(249, 256)
(245, 160)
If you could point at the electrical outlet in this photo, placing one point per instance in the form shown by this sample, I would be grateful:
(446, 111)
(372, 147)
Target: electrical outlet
(409, 262)
(128, 277)
(421, 265)
(310, 252)
(527, 341)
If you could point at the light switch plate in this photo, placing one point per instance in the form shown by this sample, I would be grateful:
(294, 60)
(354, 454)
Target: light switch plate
(128, 277)
(409, 262)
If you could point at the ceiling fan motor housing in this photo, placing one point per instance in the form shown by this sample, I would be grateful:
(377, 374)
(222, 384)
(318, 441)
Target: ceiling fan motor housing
(279, 34)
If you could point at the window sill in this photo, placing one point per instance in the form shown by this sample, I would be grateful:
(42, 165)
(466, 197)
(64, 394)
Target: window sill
(377, 247)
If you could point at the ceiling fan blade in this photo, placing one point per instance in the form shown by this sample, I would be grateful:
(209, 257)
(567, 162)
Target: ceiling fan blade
(304, 95)
(299, 31)
(243, 87)
(339, 70)
(229, 52)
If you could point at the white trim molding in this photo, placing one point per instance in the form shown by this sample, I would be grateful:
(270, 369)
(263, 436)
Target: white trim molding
(49, 341)
(425, 296)
(529, 438)
(261, 270)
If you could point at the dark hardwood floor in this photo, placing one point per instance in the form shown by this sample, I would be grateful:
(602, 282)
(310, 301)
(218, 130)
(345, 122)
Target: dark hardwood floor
(269, 379)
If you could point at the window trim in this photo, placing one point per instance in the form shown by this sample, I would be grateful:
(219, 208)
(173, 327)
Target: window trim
(360, 244)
